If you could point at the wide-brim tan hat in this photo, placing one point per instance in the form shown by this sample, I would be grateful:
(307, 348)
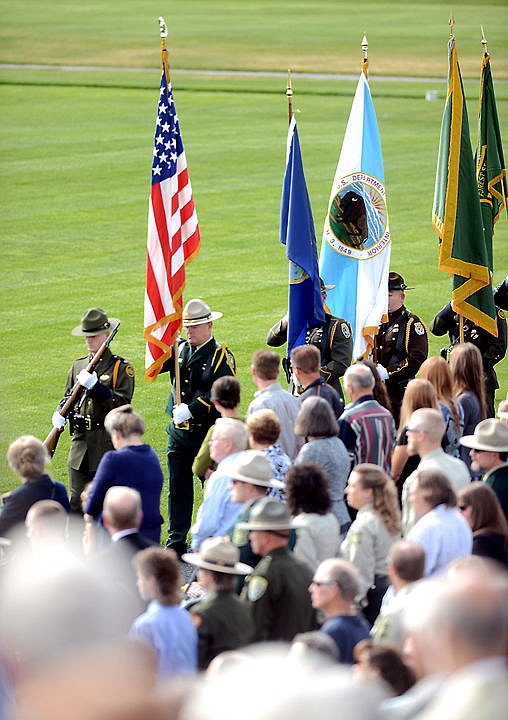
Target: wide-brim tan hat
(94, 322)
(269, 514)
(252, 466)
(197, 312)
(220, 555)
(490, 435)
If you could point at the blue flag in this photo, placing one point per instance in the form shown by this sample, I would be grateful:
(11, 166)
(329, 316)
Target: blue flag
(297, 234)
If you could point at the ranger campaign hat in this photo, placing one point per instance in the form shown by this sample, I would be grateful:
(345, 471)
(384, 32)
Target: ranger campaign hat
(197, 312)
(490, 435)
(220, 555)
(252, 466)
(396, 282)
(269, 514)
(325, 287)
(94, 322)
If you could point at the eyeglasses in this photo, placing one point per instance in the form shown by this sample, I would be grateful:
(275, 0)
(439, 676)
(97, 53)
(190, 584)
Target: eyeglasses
(415, 430)
(318, 583)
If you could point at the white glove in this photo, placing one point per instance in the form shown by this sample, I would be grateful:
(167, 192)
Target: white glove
(87, 379)
(181, 413)
(382, 372)
(58, 420)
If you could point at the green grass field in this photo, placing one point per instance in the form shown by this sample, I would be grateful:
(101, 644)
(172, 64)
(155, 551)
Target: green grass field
(76, 153)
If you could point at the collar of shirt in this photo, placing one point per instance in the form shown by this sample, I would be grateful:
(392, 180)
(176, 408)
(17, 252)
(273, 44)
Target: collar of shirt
(122, 533)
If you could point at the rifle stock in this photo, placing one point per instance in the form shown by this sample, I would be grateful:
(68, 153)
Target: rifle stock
(76, 393)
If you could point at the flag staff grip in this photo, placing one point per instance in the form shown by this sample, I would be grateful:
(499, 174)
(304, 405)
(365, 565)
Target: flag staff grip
(289, 95)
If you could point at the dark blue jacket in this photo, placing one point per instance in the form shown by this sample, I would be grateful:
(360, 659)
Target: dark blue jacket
(19, 502)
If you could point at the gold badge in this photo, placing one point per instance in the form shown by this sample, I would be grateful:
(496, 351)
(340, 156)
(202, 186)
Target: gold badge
(129, 371)
(104, 378)
(257, 587)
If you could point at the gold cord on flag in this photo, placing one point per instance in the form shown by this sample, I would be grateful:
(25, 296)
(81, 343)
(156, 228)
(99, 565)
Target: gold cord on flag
(365, 61)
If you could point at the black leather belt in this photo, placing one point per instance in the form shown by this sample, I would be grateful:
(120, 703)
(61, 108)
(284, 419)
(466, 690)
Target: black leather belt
(84, 424)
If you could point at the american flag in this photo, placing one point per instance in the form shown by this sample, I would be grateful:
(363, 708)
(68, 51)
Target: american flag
(173, 234)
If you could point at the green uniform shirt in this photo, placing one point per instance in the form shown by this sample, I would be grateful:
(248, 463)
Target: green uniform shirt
(114, 388)
(278, 591)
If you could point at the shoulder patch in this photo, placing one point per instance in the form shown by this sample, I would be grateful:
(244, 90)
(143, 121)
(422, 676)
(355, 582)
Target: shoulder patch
(419, 329)
(129, 370)
(500, 313)
(256, 588)
(346, 330)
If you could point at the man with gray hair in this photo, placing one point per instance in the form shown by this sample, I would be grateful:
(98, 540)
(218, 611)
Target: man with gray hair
(122, 516)
(460, 624)
(366, 428)
(425, 431)
(334, 588)
(218, 512)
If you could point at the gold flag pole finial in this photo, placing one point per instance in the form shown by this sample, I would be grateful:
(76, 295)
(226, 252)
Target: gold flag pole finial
(451, 23)
(289, 95)
(484, 42)
(163, 30)
(365, 61)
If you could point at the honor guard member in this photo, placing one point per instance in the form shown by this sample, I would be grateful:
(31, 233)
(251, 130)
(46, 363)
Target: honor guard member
(277, 590)
(333, 339)
(501, 294)
(110, 385)
(492, 349)
(401, 344)
(201, 360)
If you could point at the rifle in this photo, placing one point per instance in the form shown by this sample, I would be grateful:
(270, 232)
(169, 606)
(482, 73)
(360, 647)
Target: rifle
(76, 394)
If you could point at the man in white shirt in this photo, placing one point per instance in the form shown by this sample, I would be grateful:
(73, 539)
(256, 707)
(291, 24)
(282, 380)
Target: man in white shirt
(425, 431)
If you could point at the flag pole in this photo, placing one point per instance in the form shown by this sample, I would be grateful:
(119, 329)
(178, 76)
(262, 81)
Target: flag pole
(365, 61)
(451, 23)
(289, 94)
(485, 56)
(163, 31)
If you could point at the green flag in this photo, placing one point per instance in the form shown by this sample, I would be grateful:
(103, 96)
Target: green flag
(457, 215)
(490, 167)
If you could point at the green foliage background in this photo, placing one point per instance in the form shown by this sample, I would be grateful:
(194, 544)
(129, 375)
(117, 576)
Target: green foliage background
(76, 149)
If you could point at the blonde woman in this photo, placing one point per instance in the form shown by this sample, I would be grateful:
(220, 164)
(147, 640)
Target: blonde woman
(437, 371)
(28, 457)
(376, 527)
(419, 394)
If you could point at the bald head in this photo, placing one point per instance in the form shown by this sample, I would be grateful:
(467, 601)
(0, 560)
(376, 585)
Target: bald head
(122, 509)
(427, 426)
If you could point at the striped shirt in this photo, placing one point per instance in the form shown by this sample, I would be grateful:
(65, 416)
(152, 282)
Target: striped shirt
(367, 429)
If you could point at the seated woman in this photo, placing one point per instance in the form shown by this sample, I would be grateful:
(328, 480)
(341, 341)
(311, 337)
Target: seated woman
(223, 621)
(27, 456)
(307, 497)
(316, 423)
(373, 532)
(479, 505)
(131, 464)
(165, 626)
